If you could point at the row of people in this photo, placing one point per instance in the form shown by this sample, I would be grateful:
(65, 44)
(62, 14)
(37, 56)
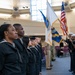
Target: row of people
(19, 55)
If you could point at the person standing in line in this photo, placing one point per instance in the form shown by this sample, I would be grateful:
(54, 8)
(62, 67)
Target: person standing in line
(31, 65)
(39, 48)
(70, 46)
(53, 52)
(73, 53)
(10, 58)
(37, 54)
(21, 46)
(48, 57)
(68, 39)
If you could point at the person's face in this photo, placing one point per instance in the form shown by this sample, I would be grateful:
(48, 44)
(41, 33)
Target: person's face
(70, 35)
(20, 31)
(29, 43)
(38, 39)
(73, 38)
(11, 33)
(36, 42)
(33, 42)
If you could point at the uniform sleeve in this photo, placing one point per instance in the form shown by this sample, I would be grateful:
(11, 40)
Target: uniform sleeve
(41, 51)
(1, 59)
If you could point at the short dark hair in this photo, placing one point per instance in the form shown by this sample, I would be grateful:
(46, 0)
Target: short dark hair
(3, 27)
(32, 38)
(16, 25)
(26, 40)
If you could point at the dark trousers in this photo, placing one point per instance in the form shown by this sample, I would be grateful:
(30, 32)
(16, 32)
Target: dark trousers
(71, 61)
(37, 68)
(40, 65)
(31, 69)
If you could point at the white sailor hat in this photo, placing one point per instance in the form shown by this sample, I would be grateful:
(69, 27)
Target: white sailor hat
(73, 35)
(70, 33)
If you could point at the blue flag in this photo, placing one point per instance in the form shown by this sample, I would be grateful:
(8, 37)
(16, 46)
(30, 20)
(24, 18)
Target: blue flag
(45, 20)
(55, 35)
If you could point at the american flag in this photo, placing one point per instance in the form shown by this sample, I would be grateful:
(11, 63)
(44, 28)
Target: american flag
(63, 20)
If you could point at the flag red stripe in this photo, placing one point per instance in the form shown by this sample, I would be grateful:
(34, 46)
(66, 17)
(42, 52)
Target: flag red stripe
(63, 22)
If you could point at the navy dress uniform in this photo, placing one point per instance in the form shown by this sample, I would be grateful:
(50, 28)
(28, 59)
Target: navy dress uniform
(31, 66)
(10, 60)
(71, 45)
(23, 51)
(39, 48)
(36, 52)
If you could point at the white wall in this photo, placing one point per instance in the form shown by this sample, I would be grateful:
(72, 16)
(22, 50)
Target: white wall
(38, 28)
(30, 27)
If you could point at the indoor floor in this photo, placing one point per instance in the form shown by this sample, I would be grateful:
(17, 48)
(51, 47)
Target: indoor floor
(60, 67)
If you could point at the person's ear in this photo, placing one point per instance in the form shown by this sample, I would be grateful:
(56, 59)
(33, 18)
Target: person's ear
(5, 33)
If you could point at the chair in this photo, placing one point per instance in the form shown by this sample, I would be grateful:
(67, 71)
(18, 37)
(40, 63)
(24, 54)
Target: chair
(57, 48)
